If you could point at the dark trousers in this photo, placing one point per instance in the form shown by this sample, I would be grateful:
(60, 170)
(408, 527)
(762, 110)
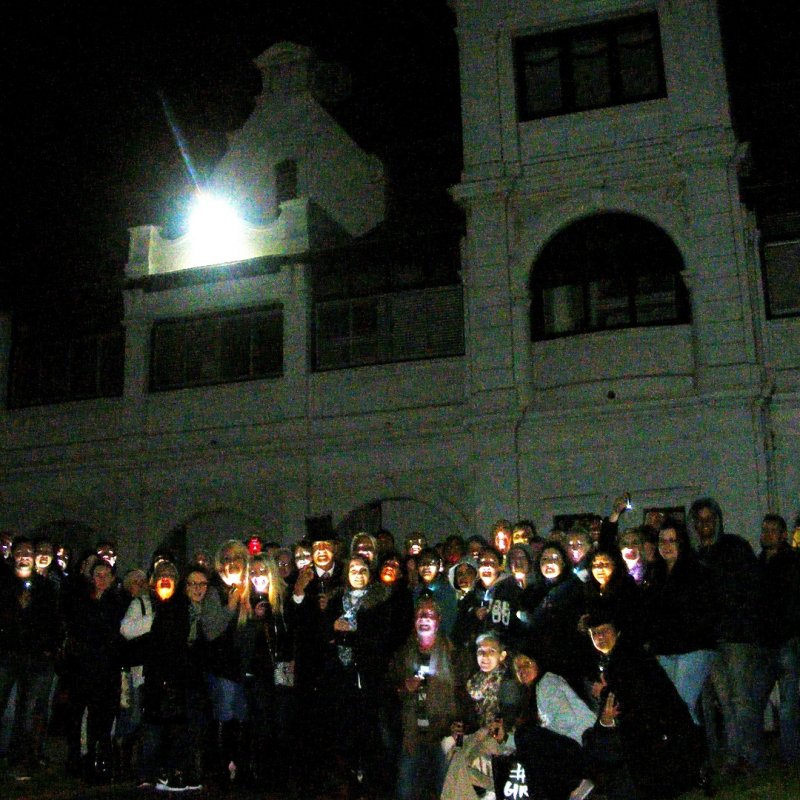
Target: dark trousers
(554, 764)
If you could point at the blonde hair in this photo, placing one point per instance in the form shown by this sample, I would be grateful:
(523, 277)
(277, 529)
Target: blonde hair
(239, 551)
(277, 585)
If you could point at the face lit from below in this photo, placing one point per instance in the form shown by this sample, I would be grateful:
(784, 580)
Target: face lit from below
(196, 586)
(464, 577)
(322, 554)
(232, 568)
(390, 571)
(363, 547)
(426, 621)
(358, 573)
(604, 637)
(44, 556)
(414, 545)
(502, 540)
(284, 566)
(551, 563)
(577, 547)
(518, 564)
(428, 569)
(474, 550)
(521, 535)
(490, 655)
(5, 545)
(62, 558)
(630, 548)
(165, 587)
(488, 569)
(602, 569)
(23, 556)
(668, 545)
(302, 557)
(526, 669)
(259, 577)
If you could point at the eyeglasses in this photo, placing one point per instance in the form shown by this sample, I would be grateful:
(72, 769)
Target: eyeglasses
(195, 584)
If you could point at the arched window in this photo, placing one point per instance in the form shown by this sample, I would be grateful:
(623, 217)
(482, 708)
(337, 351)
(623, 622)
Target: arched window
(610, 270)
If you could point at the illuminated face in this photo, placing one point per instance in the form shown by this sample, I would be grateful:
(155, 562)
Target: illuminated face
(5, 544)
(259, 577)
(165, 587)
(284, 565)
(196, 586)
(705, 524)
(107, 553)
(604, 637)
(551, 563)
(474, 550)
(518, 564)
(772, 534)
(464, 577)
(322, 554)
(577, 547)
(594, 529)
(426, 621)
(358, 574)
(501, 539)
(602, 569)
(102, 577)
(44, 556)
(414, 545)
(428, 569)
(490, 655)
(521, 535)
(668, 545)
(62, 558)
(390, 571)
(526, 669)
(488, 569)
(654, 519)
(629, 548)
(232, 567)
(363, 547)
(23, 556)
(302, 557)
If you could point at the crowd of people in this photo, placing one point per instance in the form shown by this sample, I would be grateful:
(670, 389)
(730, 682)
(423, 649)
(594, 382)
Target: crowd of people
(594, 661)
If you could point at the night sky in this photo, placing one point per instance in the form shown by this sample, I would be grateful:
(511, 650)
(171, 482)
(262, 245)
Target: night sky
(90, 153)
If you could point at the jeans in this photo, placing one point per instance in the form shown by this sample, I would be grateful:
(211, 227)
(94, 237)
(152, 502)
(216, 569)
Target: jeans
(733, 681)
(420, 774)
(782, 664)
(228, 699)
(688, 673)
(33, 676)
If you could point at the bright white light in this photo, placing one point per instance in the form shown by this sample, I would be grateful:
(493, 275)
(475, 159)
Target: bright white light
(216, 231)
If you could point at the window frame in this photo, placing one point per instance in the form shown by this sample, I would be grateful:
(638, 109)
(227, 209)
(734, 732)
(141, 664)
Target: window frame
(769, 306)
(562, 39)
(269, 313)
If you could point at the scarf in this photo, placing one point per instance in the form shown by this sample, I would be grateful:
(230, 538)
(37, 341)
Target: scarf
(484, 689)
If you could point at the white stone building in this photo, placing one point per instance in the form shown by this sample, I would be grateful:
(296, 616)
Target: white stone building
(615, 327)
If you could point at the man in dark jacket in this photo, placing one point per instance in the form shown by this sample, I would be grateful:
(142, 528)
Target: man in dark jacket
(644, 739)
(733, 572)
(29, 638)
(779, 571)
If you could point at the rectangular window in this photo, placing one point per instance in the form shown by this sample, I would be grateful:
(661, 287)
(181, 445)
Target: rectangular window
(46, 371)
(596, 66)
(222, 348)
(781, 267)
(399, 326)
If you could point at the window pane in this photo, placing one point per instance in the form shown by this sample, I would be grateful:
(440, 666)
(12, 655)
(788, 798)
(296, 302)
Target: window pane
(656, 298)
(782, 273)
(267, 344)
(639, 62)
(543, 89)
(591, 71)
(202, 357)
(563, 309)
(608, 303)
(168, 356)
(235, 334)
